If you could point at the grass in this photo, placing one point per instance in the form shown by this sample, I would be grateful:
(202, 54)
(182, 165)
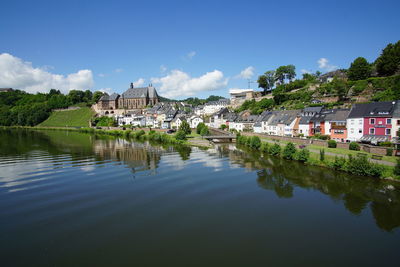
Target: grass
(70, 118)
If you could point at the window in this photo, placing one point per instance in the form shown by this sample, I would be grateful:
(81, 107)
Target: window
(388, 131)
(371, 130)
(371, 121)
(360, 131)
(388, 121)
(398, 122)
(360, 121)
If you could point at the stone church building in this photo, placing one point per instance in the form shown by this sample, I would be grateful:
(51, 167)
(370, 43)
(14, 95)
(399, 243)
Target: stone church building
(131, 99)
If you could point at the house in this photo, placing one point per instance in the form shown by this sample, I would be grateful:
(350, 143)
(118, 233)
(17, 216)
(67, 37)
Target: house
(194, 121)
(6, 90)
(214, 106)
(107, 104)
(396, 121)
(355, 122)
(288, 123)
(378, 122)
(169, 116)
(138, 98)
(258, 125)
(243, 123)
(338, 122)
(199, 110)
(318, 123)
(177, 121)
(219, 118)
(305, 117)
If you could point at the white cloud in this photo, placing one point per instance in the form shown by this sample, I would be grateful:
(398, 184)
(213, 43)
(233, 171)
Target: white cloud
(247, 73)
(178, 83)
(118, 70)
(139, 82)
(323, 63)
(190, 55)
(102, 75)
(106, 90)
(163, 68)
(19, 74)
(303, 71)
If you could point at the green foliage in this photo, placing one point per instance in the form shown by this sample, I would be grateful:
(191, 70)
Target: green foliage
(322, 155)
(223, 126)
(361, 166)
(303, 155)
(360, 69)
(264, 147)
(339, 163)
(289, 151)
(185, 128)
(354, 146)
(358, 86)
(71, 118)
(255, 142)
(180, 135)
(204, 131)
(103, 121)
(386, 143)
(332, 144)
(267, 80)
(256, 107)
(388, 63)
(197, 101)
(396, 170)
(389, 151)
(275, 150)
(287, 72)
(200, 126)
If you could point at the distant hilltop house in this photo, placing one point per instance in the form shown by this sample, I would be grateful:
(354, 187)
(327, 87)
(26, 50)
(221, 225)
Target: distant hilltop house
(238, 96)
(328, 77)
(4, 90)
(131, 99)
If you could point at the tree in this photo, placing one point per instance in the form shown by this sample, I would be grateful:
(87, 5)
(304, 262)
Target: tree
(266, 81)
(180, 135)
(359, 69)
(290, 72)
(96, 96)
(340, 87)
(200, 126)
(388, 63)
(185, 127)
(280, 74)
(289, 151)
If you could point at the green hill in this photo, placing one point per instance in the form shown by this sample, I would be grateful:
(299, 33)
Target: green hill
(69, 118)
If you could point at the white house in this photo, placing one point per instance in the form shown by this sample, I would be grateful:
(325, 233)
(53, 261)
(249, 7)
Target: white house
(355, 122)
(215, 106)
(194, 121)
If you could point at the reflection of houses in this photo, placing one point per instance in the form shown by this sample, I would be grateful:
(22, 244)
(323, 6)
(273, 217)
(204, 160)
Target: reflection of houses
(137, 156)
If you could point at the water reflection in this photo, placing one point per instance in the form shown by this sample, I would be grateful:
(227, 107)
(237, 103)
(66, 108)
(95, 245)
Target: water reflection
(356, 193)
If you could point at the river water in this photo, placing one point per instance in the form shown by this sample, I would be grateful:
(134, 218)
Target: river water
(73, 199)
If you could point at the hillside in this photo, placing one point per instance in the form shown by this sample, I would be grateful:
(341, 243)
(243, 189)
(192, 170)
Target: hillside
(69, 118)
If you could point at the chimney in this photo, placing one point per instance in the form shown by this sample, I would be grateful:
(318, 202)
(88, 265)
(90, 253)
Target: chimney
(131, 85)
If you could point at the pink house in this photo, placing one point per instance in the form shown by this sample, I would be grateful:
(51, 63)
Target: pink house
(378, 121)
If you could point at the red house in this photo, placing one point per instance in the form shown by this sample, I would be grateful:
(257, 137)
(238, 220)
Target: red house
(378, 122)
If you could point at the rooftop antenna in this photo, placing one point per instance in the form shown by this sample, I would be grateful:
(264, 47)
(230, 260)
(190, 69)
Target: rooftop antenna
(249, 81)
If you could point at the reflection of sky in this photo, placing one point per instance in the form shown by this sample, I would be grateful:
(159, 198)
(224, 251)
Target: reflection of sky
(205, 158)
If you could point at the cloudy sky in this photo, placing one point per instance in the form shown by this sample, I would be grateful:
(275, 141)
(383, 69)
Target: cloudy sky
(184, 48)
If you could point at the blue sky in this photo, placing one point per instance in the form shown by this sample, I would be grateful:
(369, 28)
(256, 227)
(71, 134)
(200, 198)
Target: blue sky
(185, 48)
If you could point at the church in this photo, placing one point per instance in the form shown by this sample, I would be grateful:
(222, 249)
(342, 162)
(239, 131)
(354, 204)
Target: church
(131, 99)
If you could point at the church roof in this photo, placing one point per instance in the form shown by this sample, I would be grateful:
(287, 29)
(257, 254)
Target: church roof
(140, 92)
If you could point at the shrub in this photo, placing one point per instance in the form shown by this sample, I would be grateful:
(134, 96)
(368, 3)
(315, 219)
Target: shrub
(180, 135)
(275, 149)
(204, 131)
(264, 147)
(339, 163)
(387, 143)
(255, 142)
(200, 126)
(396, 170)
(303, 155)
(389, 151)
(332, 144)
(223, 126)
(185, 128)
(322, 155)
(289, 151)
(361, 166)
(354, 146)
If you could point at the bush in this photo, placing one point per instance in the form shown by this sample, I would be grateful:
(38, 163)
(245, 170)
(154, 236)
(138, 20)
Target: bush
(275, 150)
(180, 135)
(339, 163)
(361, 166)
(185, 128)
(396, 170)
(389, 151)
(200, 126)
(223, 126)
(289, 151)
(264, 147)
(255, 142)
(322, 155)
(354, 146)
(332, 144)
(303, 155)
(387, 144)
(204, 131)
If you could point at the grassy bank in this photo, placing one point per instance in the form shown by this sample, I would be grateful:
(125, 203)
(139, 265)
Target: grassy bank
(353, 164)
(69, 118)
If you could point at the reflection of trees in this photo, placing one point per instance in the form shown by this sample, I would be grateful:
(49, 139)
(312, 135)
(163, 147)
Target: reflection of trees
(356, 193)
(184, 151)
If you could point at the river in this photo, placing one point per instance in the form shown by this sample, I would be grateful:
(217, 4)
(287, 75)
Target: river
(73, 199)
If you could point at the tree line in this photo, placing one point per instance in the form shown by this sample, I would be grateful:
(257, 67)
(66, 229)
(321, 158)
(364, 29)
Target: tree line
(24, 109)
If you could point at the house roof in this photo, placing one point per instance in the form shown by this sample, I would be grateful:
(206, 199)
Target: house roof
(312, 109)
(338, 115)
(140, 92)
(374, 109)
